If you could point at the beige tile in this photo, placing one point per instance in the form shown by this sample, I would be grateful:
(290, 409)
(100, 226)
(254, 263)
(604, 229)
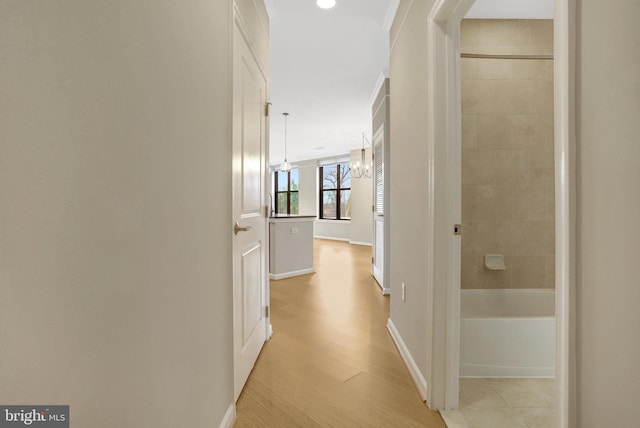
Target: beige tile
(526, 202)
(493, 32)
(479, 237)
(511, 167)
(548, 71)
(514, 96)
(487, 417)
(541, 33)
(493, 69)
(525, 238)
(492, 279)
(527, 271)
(480, 202)
(539, 239)
(540, 176)
(551, 202)
(477, 167)
(539, 417)
(505, 202)
(454, 419)
(468, 273)
(496, 167)
(469, 131)
(505, 49)
(529, 132)
(543, 160)
(528, 69)
(478, 96)
(505, 206)
(493, 132)
(478, 393)
(541, 97)
(548, 124)
(523, 392)
(550, 272)
(468, 68)
(548, 385)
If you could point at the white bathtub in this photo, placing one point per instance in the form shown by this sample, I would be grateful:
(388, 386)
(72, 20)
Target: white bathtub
(507, 333)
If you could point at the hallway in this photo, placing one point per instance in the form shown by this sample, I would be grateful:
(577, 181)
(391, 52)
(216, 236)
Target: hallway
(331, 361)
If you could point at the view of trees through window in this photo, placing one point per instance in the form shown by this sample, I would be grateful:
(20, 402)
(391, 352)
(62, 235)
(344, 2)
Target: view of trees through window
(286, 186)
(335, 192)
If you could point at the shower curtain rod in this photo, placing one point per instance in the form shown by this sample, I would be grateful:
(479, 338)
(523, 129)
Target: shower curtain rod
(491, 56)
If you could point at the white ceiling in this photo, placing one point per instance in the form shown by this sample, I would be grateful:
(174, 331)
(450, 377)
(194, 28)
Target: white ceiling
(325, 65)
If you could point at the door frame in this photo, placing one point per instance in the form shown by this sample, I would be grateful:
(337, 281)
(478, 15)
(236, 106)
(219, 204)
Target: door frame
(381, 133)
(444, 144)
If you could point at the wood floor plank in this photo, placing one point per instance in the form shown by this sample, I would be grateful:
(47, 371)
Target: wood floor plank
(331, 361)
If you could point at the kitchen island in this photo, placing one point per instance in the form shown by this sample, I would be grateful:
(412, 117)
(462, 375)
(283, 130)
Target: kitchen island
(290, 245)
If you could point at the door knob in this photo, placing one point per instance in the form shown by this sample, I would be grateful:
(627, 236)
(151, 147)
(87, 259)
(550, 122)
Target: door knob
(237, 228)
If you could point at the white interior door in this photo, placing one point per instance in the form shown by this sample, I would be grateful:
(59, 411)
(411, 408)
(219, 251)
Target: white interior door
(250, 244)
(378, 209)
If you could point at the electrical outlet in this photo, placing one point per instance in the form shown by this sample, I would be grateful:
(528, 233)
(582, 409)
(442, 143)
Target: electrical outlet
(294, 230)
(404, 293)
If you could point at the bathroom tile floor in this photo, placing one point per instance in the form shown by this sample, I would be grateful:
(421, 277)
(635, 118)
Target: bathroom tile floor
(504, 403)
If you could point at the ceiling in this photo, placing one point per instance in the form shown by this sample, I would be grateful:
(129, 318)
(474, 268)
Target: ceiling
(325, 65)
(324, 69)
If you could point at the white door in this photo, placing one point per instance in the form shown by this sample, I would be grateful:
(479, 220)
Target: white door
(250, 245)
(378, 209)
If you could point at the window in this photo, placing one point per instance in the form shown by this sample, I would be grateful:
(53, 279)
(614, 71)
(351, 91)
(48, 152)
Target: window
(335, 192)
(286, 190)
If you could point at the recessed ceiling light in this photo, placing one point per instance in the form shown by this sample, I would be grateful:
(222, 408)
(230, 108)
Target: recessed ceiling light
(326, 4)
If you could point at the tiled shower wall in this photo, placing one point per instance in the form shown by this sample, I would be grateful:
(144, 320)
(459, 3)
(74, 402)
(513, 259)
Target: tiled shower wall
(507, 154)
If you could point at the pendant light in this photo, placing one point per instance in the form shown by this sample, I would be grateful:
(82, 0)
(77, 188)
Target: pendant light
(285, 166)
(361, 168)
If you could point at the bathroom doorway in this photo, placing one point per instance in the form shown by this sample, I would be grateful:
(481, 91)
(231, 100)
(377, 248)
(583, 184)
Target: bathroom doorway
(507, 279)
(444, 121)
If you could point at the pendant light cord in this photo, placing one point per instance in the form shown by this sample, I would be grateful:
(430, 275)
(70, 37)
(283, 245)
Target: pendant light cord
(285, 135)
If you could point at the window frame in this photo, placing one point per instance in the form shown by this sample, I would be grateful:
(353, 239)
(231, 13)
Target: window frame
(276, 192)
(338, 191)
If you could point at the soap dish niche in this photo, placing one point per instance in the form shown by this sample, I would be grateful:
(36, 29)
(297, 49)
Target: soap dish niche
(494, 261)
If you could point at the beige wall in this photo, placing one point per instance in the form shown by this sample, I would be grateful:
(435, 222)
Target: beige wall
(115, 162)
(408, 187)
(507, 154)
(608, 209)
(361, 228)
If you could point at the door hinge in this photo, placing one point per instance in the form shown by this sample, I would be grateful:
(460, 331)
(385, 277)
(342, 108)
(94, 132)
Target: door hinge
(266, 108)
(373, 208)
(266, 311)
(266, 211)
(457, 229)
(373, 260)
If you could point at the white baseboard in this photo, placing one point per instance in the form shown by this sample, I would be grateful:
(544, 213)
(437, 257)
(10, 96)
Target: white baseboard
(291, 274)
(365, 244)
(385, 291)
(229, 417)
(418, 379)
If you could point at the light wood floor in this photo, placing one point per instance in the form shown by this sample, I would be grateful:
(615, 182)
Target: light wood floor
(331, 361)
